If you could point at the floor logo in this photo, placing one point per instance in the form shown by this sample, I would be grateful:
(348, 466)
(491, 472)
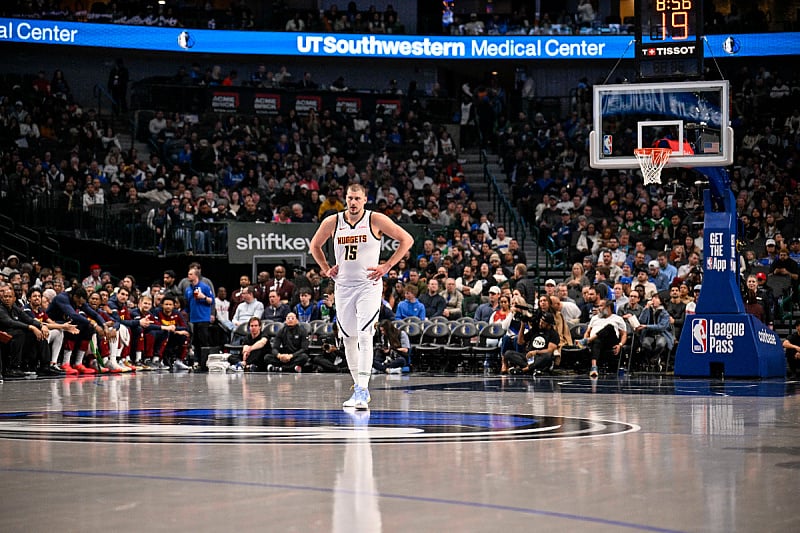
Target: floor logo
(294, 426)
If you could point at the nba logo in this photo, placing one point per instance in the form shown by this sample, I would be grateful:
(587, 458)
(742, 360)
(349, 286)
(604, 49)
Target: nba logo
(699, 335)
(607, 146)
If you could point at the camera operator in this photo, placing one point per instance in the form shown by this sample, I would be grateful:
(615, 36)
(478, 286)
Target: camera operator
(332, 359)
(692, 270)
(391, 349)
(522, 316)
(540, 341)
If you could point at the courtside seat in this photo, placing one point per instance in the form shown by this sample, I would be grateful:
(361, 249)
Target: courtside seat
(429, 350)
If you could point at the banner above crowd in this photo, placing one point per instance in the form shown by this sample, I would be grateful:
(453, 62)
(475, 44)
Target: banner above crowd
(561, 46)
(278, 242)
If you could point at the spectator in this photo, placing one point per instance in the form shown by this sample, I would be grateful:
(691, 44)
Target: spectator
(605, 335)
(248, 308)
(454, 300)
(27, 349)
(434, 303)
(283, 286)
(305, 309)
(275, 310)
(655, 330)
(642, 280)
(200, 301)
(791, 345)
(327, 306)
(392, 349)
(657, 277)
(255, 348)
(786, 268)
(92, 282)
(410, 306)
(289, 347)
(502, 315)
(262, 287)
(238, 295)
(170, 336)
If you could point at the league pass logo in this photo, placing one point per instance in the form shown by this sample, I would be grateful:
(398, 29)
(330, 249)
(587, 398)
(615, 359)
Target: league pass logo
(699, 335)
(294, 426)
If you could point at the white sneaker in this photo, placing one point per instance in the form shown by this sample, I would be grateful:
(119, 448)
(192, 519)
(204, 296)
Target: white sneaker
(362, 400)
(113, 365)
(395, 370)
(179, 365)
(352, 401)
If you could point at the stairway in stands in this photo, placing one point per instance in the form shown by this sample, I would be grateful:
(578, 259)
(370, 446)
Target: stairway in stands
(538, 266)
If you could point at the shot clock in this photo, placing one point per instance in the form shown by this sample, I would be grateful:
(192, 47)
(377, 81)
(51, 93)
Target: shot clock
(669, 43)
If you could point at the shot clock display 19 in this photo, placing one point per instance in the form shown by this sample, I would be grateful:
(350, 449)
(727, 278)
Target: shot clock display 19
(669, 42)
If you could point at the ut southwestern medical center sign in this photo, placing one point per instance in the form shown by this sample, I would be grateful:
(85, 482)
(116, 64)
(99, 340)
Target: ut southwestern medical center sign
(367, 46)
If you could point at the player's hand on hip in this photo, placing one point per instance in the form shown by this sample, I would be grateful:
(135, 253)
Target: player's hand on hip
(331, 272)
(377, 272)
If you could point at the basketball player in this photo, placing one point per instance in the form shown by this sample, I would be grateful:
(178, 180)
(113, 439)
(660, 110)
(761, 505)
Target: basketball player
(356, 234)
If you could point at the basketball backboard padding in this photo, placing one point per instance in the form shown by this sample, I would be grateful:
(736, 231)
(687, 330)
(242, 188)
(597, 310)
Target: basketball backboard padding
(629, 116)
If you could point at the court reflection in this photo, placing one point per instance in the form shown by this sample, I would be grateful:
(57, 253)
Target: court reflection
(355, 502)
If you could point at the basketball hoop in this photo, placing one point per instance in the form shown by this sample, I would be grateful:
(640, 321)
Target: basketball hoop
(652, 161)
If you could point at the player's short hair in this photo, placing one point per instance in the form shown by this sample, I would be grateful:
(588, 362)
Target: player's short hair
(357, 187)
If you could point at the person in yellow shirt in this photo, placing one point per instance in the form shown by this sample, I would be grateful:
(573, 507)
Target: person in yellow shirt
(333, 202)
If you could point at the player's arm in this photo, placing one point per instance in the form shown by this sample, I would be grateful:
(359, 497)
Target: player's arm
(324, 232)
(386, 226)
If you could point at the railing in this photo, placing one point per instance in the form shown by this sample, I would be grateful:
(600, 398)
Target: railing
(143, 227)
(100, 93)
(507, 214)
(140, 227)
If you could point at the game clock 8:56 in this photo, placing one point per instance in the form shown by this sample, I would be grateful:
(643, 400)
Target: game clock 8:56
(667, 41)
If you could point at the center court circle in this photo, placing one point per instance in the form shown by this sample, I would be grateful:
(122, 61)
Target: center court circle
(295, 426)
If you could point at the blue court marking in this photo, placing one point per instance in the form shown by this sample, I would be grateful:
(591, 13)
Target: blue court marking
(315, 416)
(401, 497)
(628, 385)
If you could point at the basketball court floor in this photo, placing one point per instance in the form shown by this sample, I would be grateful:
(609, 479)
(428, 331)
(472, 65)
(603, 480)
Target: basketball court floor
(228, 452)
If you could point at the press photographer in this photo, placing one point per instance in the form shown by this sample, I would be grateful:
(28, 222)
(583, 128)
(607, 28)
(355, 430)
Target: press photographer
(391, 347)
(540, 341)
(523, 316)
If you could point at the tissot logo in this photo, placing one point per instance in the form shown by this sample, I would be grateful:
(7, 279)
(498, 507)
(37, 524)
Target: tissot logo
(659, 51)
(294, 426)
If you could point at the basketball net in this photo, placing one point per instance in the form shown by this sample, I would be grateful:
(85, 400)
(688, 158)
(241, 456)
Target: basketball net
(652, 161)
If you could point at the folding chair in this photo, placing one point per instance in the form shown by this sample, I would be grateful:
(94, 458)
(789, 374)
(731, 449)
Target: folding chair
(429, 349)
(459, 347)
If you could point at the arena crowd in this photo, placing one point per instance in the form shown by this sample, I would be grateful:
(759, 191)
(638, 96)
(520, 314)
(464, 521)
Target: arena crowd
(639, 248)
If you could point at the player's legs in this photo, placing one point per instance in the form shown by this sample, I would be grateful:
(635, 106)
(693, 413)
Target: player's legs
(348, 326)
(357, 313)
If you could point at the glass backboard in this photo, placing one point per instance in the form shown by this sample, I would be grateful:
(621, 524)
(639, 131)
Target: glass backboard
(690, 117)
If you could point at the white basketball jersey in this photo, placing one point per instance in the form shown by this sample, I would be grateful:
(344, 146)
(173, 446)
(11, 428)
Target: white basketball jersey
(355, 247)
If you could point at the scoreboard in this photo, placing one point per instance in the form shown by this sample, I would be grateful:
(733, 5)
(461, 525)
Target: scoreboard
(669, 41)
